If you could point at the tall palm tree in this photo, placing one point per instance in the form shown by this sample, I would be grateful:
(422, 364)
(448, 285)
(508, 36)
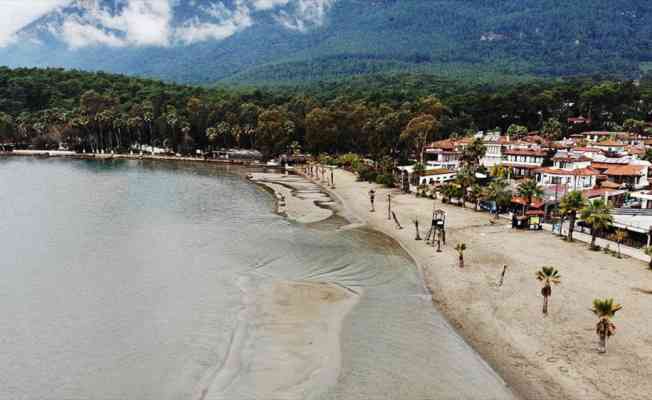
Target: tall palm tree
(605, 309)
(529, 190)
(498, 191)
(547, 276)
(461, 248)
(597, 214)
(572, 203)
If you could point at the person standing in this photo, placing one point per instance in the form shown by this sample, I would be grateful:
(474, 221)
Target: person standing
(372, 197)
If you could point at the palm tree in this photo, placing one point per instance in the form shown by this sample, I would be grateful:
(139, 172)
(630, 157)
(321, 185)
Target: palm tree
(605, 309)
(648, 252)
(461, 248)
(529, 190)
(547, 276)
(465, 178)
(597, 214)
(572, 203)
(475, 195)
(619, 237)
(498, 191)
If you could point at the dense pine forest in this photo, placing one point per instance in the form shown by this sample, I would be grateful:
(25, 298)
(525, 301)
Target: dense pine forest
(375, 115)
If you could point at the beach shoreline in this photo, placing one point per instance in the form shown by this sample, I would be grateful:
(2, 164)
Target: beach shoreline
(540, 358)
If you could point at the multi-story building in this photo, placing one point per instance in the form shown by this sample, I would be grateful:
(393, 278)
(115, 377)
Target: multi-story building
(570, 170)
(523, 162)
(443, 154)
(626, 172)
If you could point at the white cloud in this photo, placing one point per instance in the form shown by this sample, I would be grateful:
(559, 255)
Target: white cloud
(78, 34)
(151, 22)
(304, 14)
(227, 22)
(16, 14)
(269, 4)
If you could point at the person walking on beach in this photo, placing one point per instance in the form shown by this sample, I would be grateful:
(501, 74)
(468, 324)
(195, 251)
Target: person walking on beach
(372, 197)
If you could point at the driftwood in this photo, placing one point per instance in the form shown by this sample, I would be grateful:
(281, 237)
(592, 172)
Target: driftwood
(502, 276)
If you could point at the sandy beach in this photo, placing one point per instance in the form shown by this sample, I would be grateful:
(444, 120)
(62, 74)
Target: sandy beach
(552, 357)
(386, 330)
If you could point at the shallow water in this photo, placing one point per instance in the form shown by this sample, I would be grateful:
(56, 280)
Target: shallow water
(123, 279)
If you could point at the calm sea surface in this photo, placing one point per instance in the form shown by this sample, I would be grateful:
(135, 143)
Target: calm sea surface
(118, 281)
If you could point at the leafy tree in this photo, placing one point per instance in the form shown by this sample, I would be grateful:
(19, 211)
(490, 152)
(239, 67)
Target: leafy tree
(472, 154)
(419, 131)
(552, 129)
(274, 131)
(517, 131)
(498, 192)
(321, 130)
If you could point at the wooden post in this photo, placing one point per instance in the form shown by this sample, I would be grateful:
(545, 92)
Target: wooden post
(389, 206)
(398, 224)
(416, 227)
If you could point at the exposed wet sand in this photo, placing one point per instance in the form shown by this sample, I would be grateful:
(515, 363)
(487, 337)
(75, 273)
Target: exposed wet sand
(542, 358)
(394, 344)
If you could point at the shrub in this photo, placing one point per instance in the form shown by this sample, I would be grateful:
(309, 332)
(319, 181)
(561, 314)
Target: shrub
(385, 179)
(350, 160)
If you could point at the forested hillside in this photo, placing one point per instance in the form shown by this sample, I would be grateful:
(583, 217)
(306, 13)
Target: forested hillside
(464, 39)
(42, 108)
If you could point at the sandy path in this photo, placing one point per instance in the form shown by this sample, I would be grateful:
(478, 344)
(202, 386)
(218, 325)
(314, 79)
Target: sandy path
(542, 358)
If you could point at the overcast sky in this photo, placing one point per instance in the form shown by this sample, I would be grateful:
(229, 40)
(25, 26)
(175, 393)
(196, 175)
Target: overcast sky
(15, 14)
(149, 22)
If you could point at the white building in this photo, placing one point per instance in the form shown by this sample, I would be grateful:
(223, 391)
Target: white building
(523, 162)
(570, 170)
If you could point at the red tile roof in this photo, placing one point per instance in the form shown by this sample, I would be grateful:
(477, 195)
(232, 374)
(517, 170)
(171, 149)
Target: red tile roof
(446, 144)
(571, 159)
(610, 143)
(591, 193)
(624, 170)
(568, 172)
(525, 152)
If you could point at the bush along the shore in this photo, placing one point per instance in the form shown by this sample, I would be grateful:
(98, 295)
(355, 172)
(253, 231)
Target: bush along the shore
(381, 173)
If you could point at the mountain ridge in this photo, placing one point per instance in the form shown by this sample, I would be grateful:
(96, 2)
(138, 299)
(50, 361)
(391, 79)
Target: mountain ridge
(459, 38)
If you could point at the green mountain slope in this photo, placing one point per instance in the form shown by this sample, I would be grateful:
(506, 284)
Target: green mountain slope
(453, 38)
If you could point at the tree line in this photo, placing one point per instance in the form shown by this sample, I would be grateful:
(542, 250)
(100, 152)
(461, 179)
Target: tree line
(381, 116)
